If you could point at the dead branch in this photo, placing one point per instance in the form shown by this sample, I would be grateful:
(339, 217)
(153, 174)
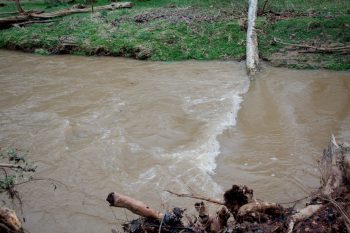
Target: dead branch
(135, 206)
(218, 202)
(316, 49)
(302, 215)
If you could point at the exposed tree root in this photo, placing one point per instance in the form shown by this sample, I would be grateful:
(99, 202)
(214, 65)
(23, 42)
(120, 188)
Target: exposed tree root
(327, 211)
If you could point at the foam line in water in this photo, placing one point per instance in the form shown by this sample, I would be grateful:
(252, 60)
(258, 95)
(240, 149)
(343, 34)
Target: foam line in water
(204, 150)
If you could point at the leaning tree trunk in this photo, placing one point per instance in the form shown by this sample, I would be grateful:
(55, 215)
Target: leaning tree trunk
(252, 53)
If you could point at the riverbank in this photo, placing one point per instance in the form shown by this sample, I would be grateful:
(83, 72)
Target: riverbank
(200, 30)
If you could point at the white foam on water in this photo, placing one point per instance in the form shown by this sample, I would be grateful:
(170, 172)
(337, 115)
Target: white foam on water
(206, 148)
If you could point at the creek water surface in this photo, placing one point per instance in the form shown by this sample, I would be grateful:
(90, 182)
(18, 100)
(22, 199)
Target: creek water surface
(139, 128)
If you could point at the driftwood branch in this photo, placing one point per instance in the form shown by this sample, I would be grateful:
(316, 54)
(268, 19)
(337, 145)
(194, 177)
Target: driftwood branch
(135, 206)
(302, 215)
(197, 197)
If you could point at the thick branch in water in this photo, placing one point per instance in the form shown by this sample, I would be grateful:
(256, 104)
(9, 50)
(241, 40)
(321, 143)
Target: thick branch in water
(135, 206)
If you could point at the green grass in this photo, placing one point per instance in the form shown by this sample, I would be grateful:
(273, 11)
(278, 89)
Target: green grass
(116, 33)
(319, 32)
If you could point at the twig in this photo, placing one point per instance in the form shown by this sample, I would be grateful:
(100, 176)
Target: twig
(318, 49)
(332, 201)
(263, 9)
(284, 203)
(218, 202)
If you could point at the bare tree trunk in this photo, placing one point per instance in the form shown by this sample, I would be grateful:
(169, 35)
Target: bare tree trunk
(252, 53)
(19, 8)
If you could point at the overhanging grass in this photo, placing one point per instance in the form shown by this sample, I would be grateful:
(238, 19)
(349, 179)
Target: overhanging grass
(164, 40)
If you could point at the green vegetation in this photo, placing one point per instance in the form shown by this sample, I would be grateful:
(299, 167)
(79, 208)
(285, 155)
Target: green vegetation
(191, 29)
(315, 31)
(14, 169)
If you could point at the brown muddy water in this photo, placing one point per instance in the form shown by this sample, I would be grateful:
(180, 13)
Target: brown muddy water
(110, 124)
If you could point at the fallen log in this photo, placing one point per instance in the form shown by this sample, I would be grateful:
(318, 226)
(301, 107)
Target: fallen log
(112, 6)
(37, 16)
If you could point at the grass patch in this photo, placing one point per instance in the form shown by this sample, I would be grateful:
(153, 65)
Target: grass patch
(319, 32)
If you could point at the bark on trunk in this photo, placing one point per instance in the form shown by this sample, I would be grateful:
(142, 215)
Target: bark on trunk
(252, 53)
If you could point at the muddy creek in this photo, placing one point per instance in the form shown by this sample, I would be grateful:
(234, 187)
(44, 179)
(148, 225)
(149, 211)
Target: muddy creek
(139, 128)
